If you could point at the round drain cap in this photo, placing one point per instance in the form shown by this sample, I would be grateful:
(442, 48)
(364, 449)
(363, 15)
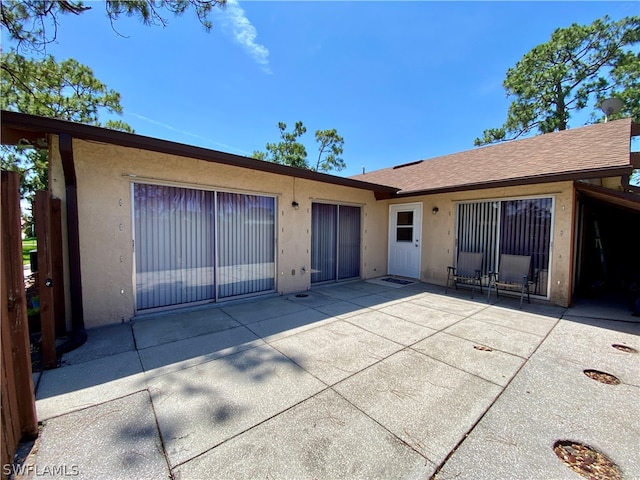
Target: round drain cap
(483, 348)
(602, 377)
(624, 348)
(586, 461)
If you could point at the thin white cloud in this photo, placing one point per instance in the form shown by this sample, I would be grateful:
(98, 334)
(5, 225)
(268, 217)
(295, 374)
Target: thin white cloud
(193, 135)
(245, 33)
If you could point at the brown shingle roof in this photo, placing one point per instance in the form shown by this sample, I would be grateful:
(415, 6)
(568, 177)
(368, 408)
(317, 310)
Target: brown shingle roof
(598, 150)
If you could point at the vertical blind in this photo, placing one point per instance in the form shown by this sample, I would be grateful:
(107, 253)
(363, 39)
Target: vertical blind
(516, 227)
(335, 242)
(348, 242)
(477, 231)
(173, 245)
(525, 229)
(324, 228)
(180, 231)
(246, 244)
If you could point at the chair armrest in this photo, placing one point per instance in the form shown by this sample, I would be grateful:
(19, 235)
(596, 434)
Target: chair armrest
(451, 268)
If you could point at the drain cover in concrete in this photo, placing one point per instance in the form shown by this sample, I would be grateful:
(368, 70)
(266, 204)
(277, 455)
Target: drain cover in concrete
(586, 461)
(624, 348)
(483, 348)
(602, 377)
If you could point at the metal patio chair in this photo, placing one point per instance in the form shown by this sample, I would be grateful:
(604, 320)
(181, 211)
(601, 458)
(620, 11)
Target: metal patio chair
(467, 271)
(512, 274)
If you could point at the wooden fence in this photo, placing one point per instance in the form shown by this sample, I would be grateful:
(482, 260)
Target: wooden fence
(46, 213)
(18, 403)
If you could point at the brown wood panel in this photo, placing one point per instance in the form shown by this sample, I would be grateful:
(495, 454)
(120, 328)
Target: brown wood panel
(73, 234)
(11, 427)
(9, 438)
(9, 410)
(42, 219)
(15, 329)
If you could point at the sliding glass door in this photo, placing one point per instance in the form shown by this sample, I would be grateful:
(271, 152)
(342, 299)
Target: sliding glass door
(516, 227)
(246, 244)
(196, 245)
(335, 242)
(174, 230)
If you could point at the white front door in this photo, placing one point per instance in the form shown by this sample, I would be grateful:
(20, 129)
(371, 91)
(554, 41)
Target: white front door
(405, 229)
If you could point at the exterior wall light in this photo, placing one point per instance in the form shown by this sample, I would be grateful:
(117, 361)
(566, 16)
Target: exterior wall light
(295, 205)
(435, 210)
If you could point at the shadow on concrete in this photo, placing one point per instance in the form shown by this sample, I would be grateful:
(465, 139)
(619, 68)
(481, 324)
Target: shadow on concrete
(187, 337)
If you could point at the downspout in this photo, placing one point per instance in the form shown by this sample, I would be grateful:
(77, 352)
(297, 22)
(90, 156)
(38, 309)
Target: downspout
(78, 333)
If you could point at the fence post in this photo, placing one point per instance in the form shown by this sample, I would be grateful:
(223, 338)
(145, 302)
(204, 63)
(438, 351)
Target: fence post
(42, 210)
(11, 427)
(17, 377)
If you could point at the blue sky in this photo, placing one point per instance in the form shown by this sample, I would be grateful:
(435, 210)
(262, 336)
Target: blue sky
(400, 81)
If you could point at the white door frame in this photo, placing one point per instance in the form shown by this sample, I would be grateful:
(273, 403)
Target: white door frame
(404, 257)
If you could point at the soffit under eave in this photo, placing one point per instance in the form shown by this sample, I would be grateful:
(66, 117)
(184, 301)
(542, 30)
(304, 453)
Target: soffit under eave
(19, 136)
(625, 200)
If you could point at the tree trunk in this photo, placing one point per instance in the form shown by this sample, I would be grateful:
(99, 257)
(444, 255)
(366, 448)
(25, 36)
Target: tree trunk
(561, 111)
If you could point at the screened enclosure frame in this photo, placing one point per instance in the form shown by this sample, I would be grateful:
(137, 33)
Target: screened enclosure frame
(216, 193)
(495, 237)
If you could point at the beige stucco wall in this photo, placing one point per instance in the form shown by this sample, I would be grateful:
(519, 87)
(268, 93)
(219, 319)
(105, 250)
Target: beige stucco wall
(614, 183)
(105, 222)
(105, 218)
(438, 231)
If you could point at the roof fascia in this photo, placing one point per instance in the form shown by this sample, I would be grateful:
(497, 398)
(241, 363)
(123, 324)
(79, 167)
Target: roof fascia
(622, 199)
(571, 176)
(31, 123)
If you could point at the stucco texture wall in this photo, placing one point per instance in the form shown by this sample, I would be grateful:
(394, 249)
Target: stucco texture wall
(106, 227)
(105, 174)
(438, 231)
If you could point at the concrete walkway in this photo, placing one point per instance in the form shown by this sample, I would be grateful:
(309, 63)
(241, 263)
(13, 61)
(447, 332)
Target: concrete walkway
(358, 380)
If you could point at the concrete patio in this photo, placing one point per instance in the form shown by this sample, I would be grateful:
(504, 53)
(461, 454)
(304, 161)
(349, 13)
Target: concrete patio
(353, 380)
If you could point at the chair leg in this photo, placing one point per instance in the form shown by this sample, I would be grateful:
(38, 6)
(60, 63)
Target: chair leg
(521, 296)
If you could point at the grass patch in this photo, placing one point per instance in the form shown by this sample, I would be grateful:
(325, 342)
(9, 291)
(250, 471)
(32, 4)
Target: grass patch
(28, 244)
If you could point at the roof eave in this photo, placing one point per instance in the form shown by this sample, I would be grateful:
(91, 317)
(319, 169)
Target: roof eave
(32, 126)
(626, 200)
(551, 178)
